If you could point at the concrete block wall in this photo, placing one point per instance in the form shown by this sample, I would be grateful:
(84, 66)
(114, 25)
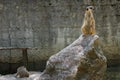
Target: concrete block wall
(51, 25)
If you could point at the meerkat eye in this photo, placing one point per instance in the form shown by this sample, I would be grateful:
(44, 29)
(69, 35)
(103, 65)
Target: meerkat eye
(91, 7)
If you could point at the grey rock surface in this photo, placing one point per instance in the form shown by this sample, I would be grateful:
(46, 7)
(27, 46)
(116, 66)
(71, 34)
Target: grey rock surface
(82, 60)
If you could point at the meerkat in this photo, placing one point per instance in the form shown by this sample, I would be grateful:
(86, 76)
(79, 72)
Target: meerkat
(88, 26)
(22, 72)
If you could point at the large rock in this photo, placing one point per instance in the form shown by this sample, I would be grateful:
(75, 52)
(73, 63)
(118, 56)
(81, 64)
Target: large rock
(82, 60)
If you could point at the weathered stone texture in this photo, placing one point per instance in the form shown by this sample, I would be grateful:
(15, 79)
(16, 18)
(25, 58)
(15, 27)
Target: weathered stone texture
(81, 60)
(51, 25)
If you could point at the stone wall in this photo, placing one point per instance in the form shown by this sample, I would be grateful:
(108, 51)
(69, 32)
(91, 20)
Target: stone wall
(50, 25)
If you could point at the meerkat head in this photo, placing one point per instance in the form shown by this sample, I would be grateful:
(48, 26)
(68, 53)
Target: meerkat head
(89, 12)
(89, 8)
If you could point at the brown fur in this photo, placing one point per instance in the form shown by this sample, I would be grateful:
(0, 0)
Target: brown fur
(22, 72)
(88, 26)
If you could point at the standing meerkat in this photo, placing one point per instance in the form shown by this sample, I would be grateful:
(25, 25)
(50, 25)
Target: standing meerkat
(22, 72)
(88, 26)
